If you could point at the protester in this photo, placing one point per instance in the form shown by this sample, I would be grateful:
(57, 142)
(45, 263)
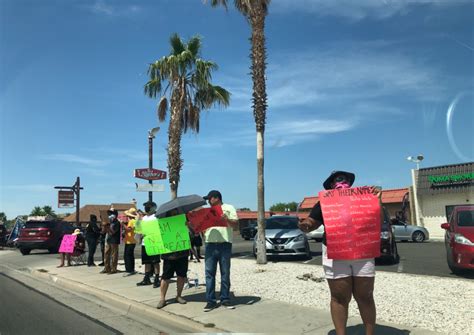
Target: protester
(102, 237)
(219, 250)
(78, 248)
(128, 254)
(92, 237)
(345, 277)
(112, 243)
(152, 263)
(196, 244)
(175, 262)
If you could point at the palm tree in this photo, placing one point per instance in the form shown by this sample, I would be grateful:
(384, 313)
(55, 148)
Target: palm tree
(183, 80)
(255, 11)
(37, 211)
(48, 210)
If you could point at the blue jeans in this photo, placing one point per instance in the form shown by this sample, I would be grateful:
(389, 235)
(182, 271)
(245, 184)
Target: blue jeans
(218, 253)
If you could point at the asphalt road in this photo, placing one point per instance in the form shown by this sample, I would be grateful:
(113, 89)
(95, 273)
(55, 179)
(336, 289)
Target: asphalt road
(26, 311)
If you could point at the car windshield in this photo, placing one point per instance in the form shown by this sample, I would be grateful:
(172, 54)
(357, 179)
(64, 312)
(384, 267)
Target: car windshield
(282, 223)
(39, 224)
(466, 219)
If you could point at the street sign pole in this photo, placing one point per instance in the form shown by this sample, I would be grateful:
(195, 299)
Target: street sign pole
(76, 188)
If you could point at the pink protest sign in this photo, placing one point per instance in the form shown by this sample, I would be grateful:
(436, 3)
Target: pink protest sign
(352, 218)
(67, 244)
(206, 218)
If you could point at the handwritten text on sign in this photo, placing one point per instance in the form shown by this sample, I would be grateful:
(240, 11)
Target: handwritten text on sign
(352, 223)
(206, 218)
(167, 235)
(67, 244)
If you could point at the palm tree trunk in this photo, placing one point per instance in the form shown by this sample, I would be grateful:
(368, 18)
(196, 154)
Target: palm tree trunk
(174, 147)
(258, 56)
(261, 244)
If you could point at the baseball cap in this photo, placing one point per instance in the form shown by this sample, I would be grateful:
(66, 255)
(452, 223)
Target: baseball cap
(213, 194)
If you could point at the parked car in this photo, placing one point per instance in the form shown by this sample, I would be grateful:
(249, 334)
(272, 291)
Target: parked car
(250, 231)
(316, 234)
(407, 232)
(42, 234)
(283, 237)
(459, 239)
(388, 245)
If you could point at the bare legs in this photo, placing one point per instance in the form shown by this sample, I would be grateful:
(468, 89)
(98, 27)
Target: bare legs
(341, 292)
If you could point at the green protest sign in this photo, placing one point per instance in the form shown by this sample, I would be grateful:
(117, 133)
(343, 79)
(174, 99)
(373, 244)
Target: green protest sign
(166, 235)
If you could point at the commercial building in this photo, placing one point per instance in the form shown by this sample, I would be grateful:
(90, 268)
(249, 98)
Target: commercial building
(438, 189)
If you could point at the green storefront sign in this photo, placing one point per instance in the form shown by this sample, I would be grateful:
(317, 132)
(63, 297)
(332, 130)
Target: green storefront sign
(463, 179)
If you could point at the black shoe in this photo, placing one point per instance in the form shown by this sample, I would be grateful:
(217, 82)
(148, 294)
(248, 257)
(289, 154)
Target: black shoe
(144, 282)
(157, 282)
(227, 304)
(210, 306)
(101, 264)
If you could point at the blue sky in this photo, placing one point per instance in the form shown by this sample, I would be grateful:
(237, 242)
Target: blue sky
(352, 85)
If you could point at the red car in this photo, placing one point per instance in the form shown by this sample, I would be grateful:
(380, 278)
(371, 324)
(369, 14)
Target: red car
(459, 239)
(45, 234)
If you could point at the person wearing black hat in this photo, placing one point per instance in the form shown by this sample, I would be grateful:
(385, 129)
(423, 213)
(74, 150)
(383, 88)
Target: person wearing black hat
(218, 251)
(346, 278)
(92, 237)
(152, 263)
(112, 243)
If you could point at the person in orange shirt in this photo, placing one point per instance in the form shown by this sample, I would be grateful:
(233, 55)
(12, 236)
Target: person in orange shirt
(130, 242)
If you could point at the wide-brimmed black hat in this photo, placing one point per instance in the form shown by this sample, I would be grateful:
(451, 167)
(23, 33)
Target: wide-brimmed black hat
(350, 177)
(213, 194)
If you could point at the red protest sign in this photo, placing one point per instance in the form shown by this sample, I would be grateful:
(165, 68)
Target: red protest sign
(67, 244)
(352, 219)
(206, 218)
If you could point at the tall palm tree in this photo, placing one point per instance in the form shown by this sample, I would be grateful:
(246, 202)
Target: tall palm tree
(183, 80)
(255, 11)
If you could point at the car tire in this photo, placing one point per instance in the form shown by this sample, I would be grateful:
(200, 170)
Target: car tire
(25, 251)
(418, 236)
(452, 267)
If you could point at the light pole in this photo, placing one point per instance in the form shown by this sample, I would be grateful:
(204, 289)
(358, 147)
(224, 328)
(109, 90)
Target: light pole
(151, 135)
(416, 160)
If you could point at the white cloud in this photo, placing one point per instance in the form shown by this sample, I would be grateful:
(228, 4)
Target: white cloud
(103, 7)
(357, 10)
(68, 158)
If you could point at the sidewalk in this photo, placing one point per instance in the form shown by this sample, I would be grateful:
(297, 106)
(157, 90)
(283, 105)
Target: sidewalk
(251, 315)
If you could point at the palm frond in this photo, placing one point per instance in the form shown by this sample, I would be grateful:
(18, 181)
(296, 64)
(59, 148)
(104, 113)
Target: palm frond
(215, 3)
(162, 108)
(194, 45)
(177, 45)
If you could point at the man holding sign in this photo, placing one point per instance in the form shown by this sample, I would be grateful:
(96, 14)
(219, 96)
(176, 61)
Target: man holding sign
(352, 237)
(219, 250)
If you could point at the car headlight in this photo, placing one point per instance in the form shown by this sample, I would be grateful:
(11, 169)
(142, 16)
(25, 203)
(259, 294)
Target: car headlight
(299, 238)
(385, 235)
(458, 238)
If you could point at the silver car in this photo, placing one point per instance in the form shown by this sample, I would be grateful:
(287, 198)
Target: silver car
(316, 234)
(283, 237)
(407, 232)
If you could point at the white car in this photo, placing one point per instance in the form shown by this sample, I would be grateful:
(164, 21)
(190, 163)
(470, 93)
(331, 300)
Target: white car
(316, 234)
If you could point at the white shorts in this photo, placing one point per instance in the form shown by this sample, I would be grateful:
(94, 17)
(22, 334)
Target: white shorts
(335, 269)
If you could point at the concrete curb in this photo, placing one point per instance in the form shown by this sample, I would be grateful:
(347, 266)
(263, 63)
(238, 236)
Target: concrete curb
(135, 310)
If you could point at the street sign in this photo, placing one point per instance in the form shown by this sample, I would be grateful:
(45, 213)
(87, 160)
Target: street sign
(149, 174)
(65, 199)
(150, 187)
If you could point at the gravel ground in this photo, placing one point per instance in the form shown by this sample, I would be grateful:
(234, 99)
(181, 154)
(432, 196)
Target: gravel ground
(445, 305)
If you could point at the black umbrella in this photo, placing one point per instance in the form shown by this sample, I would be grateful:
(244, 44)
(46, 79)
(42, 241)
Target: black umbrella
(181, 204)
